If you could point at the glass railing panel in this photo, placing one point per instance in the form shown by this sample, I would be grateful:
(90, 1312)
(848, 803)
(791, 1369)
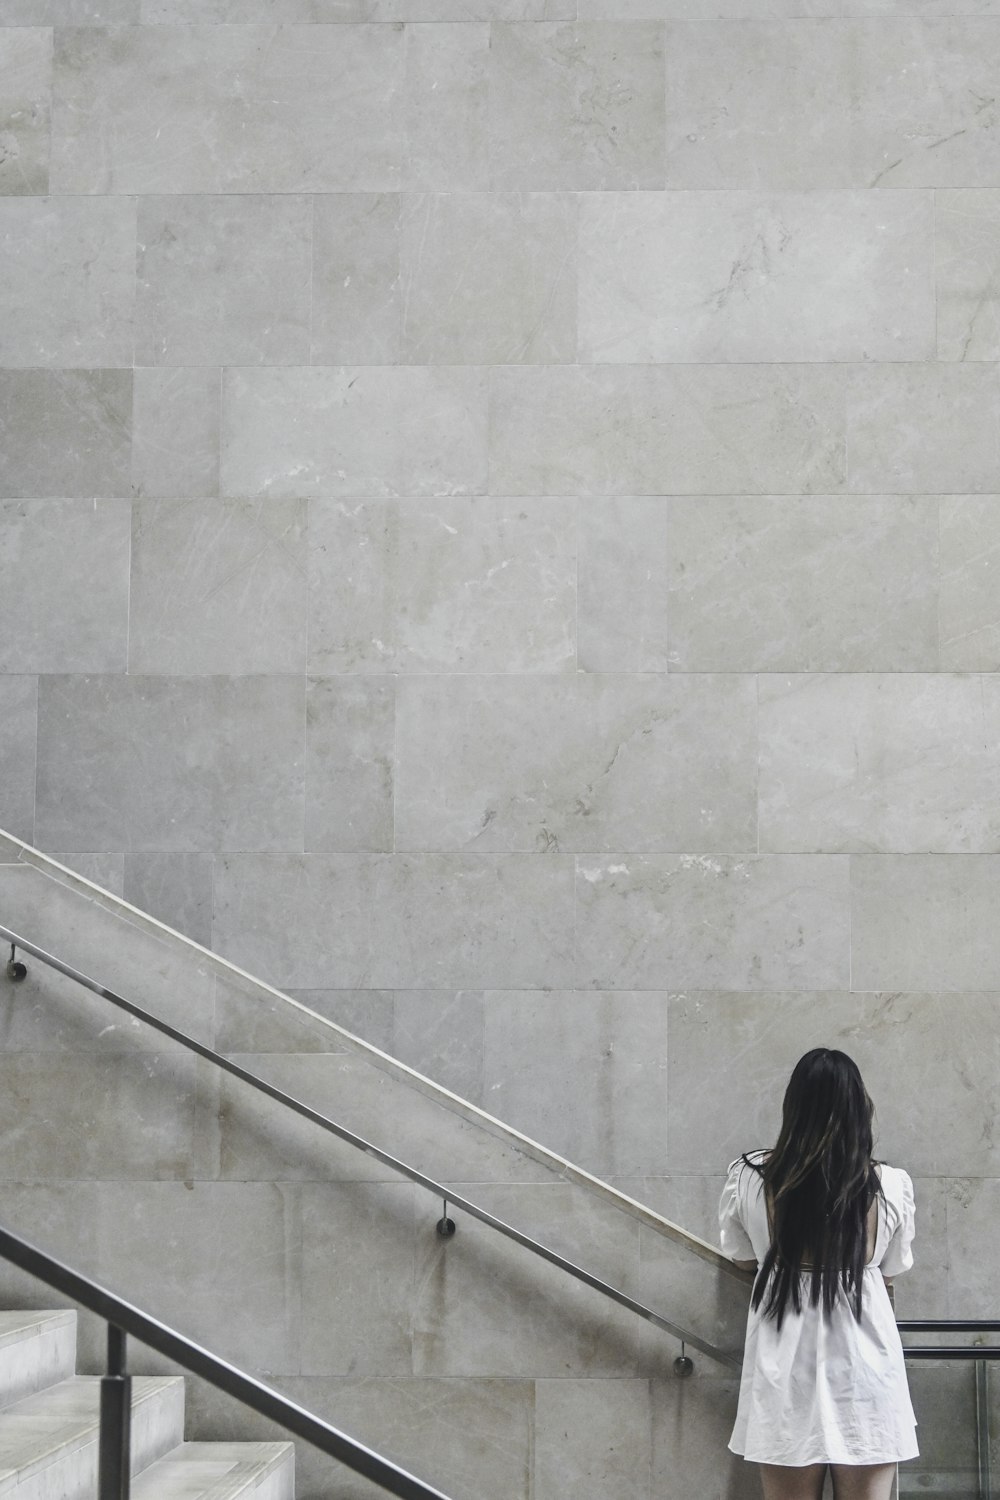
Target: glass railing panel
(956, 1403)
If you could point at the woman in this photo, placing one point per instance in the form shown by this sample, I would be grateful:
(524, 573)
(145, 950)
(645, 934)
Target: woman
(824, 1383)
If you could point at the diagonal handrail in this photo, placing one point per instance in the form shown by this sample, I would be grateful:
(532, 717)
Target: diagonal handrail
(306, 1111)
(33, 858)
(201, 1361)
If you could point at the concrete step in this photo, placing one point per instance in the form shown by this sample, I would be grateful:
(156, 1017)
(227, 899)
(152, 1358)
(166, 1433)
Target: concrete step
(48, 1441)
(220, 1471)
(37, 1349)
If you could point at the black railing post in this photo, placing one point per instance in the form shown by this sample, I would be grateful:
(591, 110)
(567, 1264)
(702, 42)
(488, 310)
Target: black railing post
(114, 1446)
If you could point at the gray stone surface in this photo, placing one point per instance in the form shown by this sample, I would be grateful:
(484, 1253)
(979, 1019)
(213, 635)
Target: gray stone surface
(18, 740)
(356, 300)
(968, 614)
(623, 553)
(175, 432)
(922, 921)
(65, 432)
(923, 428)
(64, 604)
(25, 94)
(350, 768)
(174, 888)
(966, 224)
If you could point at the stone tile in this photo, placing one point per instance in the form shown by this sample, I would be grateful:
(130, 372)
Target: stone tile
(656, 430)
(220, 109)
(64, 607)
(439, 1033)
(25, 103)
(466, 1437)
(65, 432)
(447, 89)
(258, 1138)
(586, 1074)
(486, 1306)
(971, 1206)
(69, 12)
(317, 11)
(449, 920)
(105, 870)
(68, 282)
(611, 1422)
(622, 763)
(649, 922)
(356, 300)
(76, 1106)
(622, 553)
(943, 1393)
(968, 615)
(218, 587)
(377, 431)
(182, 1251)
(170, 764)
(692, 1423)
(880, 762)
(924, 922)
(248, 1019)
(967, 229)
(779, 10)
(794, 276)
(453, 586)
(576, 105)
(18, 736)
(831, 584)
(359, 1240)
(908, 1046)
(828, 103)
(223, 279)
(924, 1290)
(350, 763)
(174, 888)
(488, 278)
(175, 439)
(924, 428)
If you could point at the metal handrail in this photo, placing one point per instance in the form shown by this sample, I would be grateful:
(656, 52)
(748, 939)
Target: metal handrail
(446, 1194)
(128, 1319)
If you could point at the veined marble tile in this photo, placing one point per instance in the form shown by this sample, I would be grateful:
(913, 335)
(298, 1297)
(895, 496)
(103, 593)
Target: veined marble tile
(223, 279)
(622, 555)
(781, 10)
(971, 1206)
(488, 278)
(67, 282)
(824, 583)
(318, 11)
(692, 1423)
(656, 430)
(25, 102)
(356, 300)
(65, 432)
(735, 276)
(881, 762)
(402, 921)
(827, 103)
(64, 603)
(611, 1422)
(927, 429)
(440, 1033)
(447, 93)
(174, 888)
(68, 12)
(453, 585)
(653, 921)
(970, 563)
(18, 734)
(587, 762)
(170, 763)
(585, 1073)
(907, 1046)
(350, 763)
(924, 922)
(218, 587)
(237, 109)
(378, 431)
(967, 227)
(175, 432)
(576, 105)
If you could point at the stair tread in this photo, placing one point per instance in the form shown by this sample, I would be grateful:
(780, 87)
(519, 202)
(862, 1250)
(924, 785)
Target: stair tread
(36, 1430)
(15, 1326)
(209, 1471)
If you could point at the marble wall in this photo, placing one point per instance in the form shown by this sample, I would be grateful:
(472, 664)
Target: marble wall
(499, 508)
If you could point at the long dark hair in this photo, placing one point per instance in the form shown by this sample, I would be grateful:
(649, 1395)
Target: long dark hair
(819, 1185)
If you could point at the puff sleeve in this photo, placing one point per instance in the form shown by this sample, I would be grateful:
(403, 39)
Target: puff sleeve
(732, 1231)
(898, 1191)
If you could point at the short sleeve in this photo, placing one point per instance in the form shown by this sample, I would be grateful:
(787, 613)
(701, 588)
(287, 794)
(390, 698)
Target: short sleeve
(898, 1255)
(732, 1231)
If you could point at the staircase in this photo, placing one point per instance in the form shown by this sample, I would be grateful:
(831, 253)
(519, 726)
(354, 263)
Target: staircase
(49, 1426)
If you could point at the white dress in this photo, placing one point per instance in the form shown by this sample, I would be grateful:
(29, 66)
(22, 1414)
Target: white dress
(823, 1390)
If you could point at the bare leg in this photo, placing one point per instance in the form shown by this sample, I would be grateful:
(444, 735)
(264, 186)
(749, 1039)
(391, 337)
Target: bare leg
(783, 1482)
(863, 1481)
